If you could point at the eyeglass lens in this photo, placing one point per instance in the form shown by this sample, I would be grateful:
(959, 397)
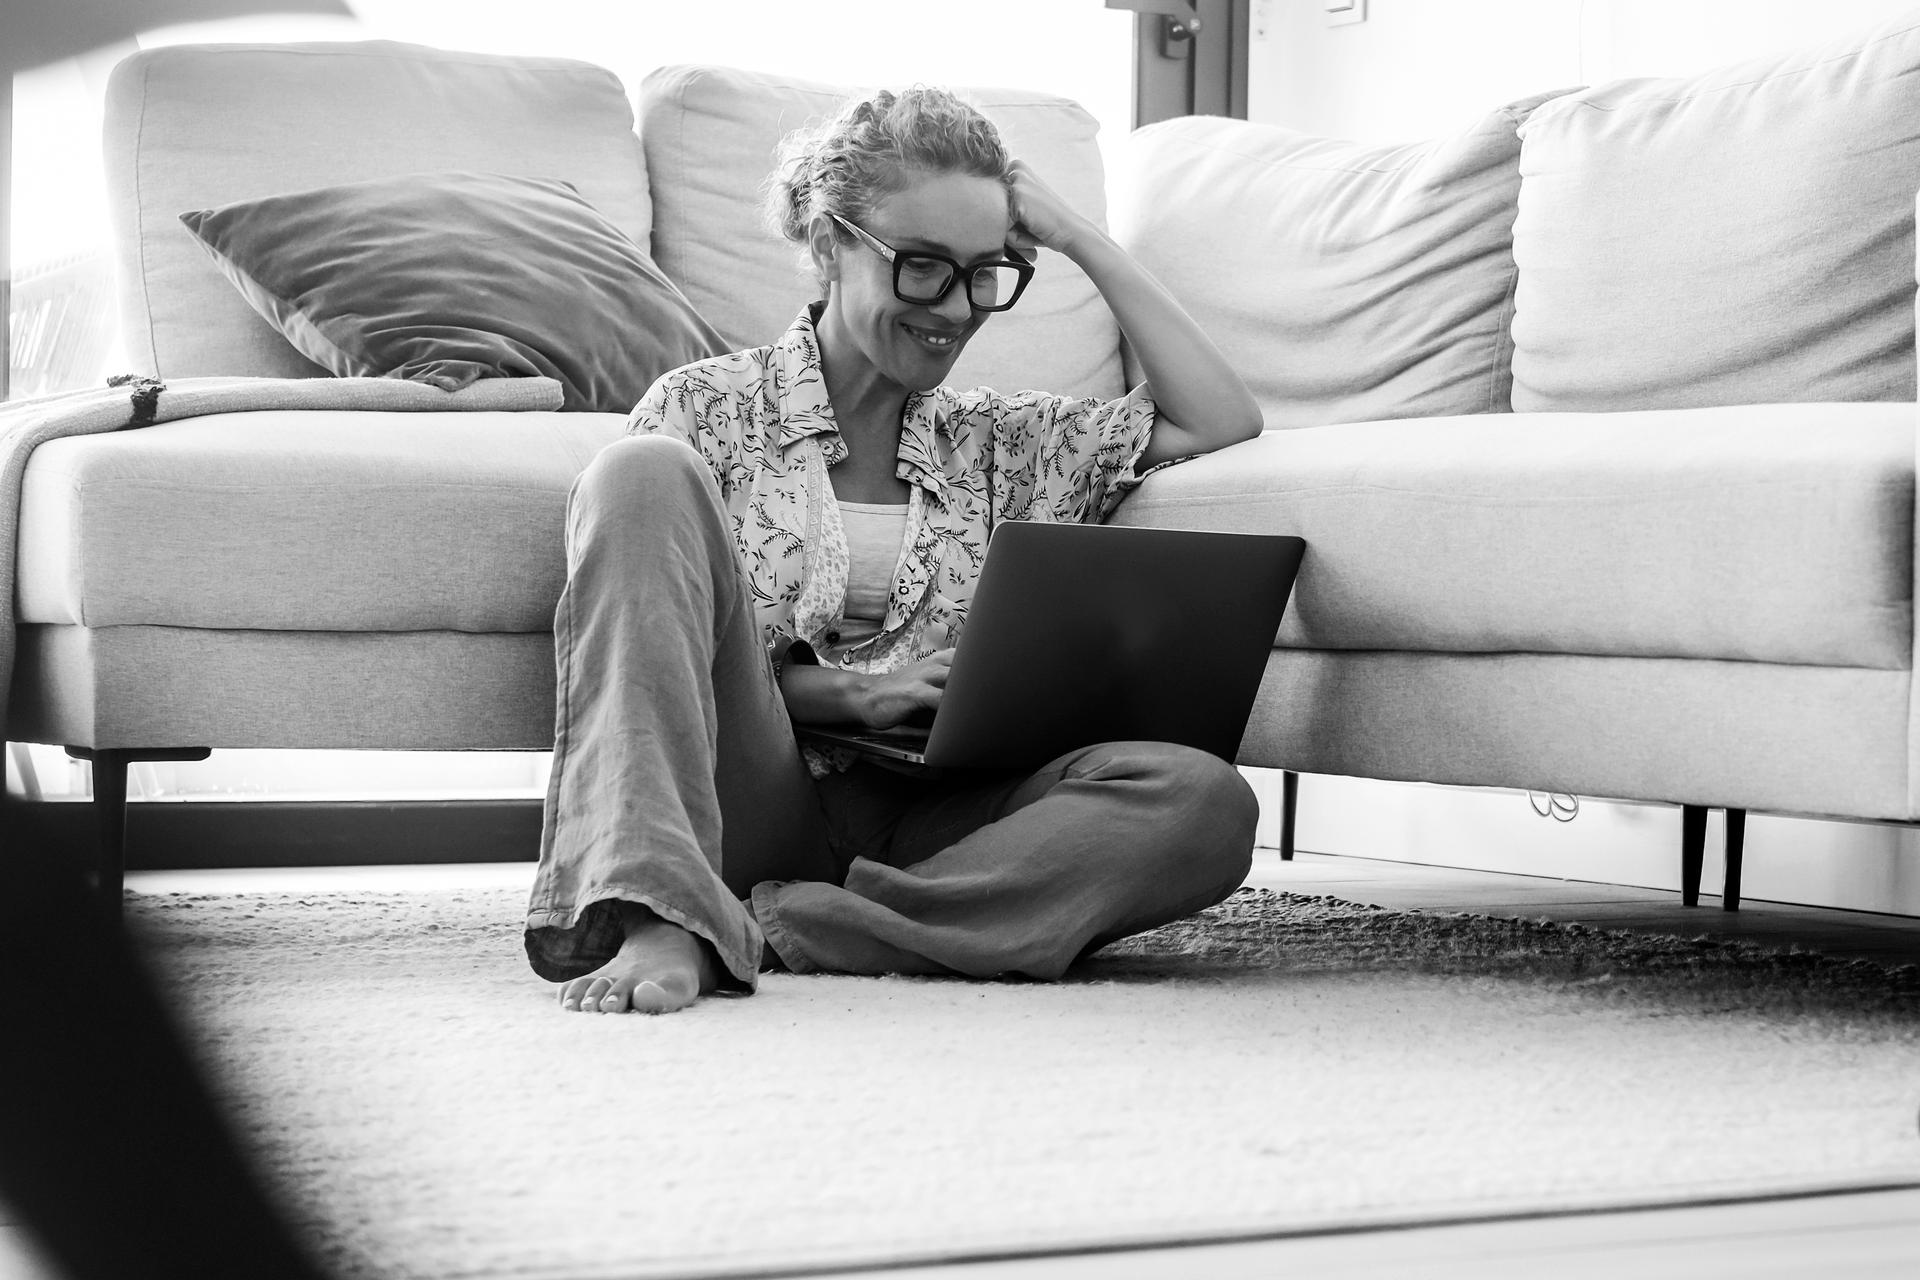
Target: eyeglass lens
(928, 279)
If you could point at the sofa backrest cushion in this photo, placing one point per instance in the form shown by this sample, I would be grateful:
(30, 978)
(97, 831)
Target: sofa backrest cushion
(1346, 282)
(711, 134)
(196, 126)
(1744, 236)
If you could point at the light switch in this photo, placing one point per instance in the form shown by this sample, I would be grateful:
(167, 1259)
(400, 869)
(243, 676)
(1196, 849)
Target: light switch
(1341, 12)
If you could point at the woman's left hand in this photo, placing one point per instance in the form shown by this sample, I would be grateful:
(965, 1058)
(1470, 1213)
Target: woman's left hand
(1202, 402)
(1041, 216)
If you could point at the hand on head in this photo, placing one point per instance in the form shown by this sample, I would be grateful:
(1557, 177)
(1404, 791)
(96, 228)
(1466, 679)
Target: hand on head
(1041, 216)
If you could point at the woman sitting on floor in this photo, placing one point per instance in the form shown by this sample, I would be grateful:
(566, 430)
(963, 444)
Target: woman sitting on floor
(791, 534)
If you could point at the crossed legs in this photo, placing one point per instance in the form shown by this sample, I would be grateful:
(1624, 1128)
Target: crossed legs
(683, 834)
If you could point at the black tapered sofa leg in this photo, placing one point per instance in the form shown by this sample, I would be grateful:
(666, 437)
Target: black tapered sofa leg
(1736, 849)
(109, 875)
(1289, 801)
(1693, 849)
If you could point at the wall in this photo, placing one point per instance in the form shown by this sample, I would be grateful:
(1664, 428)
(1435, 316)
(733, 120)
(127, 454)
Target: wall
(1405, 72)
(1413, 65)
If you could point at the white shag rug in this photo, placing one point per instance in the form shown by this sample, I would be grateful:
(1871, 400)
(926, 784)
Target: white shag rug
(1280, 1063)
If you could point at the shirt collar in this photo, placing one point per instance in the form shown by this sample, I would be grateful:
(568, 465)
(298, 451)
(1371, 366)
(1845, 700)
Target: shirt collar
(920, 421)
(802, 387)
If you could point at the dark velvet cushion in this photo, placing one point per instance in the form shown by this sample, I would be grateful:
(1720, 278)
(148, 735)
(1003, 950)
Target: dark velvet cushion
(448, 277)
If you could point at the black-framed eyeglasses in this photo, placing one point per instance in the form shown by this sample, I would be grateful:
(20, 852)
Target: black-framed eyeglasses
(926, 278)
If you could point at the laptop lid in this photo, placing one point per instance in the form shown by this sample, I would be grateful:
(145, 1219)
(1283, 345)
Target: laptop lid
(1080, 634)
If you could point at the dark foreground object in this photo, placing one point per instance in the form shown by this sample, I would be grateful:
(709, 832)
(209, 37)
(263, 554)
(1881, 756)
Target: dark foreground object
(112, 1152)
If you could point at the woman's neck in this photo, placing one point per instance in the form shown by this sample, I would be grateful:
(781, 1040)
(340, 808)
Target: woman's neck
(867, 409)
(867, 405)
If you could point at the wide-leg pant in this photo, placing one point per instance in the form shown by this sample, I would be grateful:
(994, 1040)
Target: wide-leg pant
(677, 784)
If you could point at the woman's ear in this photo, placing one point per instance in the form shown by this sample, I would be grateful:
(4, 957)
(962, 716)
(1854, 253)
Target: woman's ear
(824, 247)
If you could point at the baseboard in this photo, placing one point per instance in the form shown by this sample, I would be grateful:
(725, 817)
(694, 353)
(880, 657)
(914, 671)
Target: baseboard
(192, 835)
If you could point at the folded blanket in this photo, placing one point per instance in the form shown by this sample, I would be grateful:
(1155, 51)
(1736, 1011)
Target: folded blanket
(134, 402)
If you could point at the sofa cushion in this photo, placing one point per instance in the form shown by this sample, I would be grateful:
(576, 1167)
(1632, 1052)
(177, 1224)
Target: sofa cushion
(1739, 237)
(193, 126)
(1346, 282)
(1777, 533)
(330, 521)
(448, 277)
(710, 135)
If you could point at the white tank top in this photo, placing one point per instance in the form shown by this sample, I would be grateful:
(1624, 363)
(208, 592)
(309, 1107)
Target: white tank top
(875, 531)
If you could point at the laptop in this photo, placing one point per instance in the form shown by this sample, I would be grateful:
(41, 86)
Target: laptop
(1080, 634)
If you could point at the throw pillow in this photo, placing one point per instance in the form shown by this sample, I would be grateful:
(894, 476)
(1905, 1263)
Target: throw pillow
(1740, 237)
(1346, 282)
(448, 277)
(710, 134)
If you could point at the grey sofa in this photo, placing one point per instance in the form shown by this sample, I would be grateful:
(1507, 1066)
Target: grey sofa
(1691, 583)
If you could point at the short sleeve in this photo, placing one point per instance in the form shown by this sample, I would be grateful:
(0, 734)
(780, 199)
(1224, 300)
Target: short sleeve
(1065, 458)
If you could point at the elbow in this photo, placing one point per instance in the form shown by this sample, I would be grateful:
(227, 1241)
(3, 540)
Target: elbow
(1247, 421)
(1255, 423)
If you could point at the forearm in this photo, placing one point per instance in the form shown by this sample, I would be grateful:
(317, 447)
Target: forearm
(824, 695)
(1200, 396)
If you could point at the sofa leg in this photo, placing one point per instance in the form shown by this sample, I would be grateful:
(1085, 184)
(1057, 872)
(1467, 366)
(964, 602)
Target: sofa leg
(109, 876)
(1736, 848)
(1289, 801)
(1693, 849)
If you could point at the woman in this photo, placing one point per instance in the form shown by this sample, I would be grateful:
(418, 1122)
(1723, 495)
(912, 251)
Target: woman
(790, 535)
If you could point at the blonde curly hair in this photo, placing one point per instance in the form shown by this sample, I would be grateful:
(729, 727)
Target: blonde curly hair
(871, 148)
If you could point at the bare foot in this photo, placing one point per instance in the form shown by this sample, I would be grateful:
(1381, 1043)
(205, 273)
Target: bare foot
(660, 968)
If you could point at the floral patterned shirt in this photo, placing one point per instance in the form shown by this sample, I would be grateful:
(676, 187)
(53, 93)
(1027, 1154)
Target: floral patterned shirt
(762, 421)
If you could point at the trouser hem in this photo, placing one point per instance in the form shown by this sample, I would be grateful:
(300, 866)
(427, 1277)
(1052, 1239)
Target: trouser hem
(766, 914)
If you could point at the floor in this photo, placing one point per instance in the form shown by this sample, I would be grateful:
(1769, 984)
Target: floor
(1864, 1234)
(1887, 939)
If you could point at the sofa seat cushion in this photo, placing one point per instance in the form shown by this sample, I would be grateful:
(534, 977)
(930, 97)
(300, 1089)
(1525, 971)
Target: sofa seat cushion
(1775, 533)
(324, 521)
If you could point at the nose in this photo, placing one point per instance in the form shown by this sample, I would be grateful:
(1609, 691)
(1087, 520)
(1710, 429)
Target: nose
(954, 308)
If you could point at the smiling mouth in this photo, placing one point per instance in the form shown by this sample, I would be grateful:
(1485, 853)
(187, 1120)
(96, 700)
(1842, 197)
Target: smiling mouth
(933, 339)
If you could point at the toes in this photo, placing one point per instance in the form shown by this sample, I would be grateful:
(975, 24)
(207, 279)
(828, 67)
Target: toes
(584, 994)
(621, 986)
(660, 997)
(618, 996)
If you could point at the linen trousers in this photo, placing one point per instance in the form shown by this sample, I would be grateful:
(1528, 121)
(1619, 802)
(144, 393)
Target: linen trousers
(677, 784)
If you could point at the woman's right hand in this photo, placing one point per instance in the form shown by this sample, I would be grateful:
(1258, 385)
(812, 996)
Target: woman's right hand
(890, 699)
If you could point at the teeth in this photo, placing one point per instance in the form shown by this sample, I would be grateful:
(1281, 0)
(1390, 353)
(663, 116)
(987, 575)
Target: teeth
(932, 339)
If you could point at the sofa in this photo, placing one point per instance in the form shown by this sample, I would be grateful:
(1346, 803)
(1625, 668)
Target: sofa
(1596, 413)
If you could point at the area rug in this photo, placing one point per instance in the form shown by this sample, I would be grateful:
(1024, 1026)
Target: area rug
(1280, 1063)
